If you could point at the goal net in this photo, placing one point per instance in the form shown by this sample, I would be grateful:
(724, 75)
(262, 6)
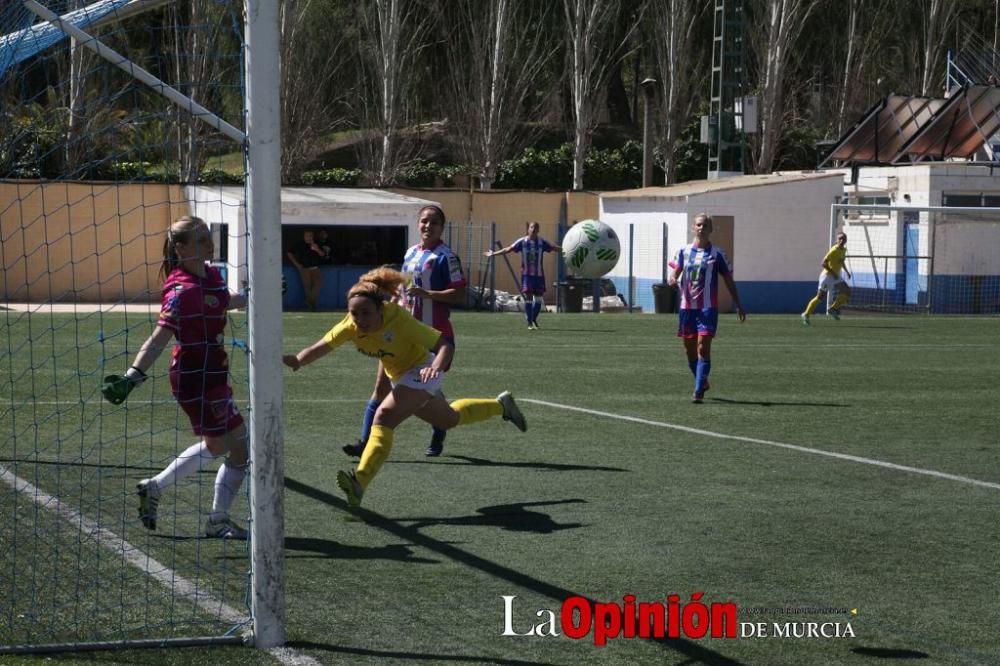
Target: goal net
(936, 260)
(116, 118)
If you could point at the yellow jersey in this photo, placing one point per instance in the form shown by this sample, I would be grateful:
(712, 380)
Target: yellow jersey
(402, 343)
(835, 259)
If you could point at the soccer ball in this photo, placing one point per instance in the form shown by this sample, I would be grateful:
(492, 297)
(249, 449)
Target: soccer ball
(591, 249)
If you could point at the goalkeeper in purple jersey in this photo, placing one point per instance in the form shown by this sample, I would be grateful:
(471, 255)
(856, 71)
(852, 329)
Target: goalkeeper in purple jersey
(696, 269)
(435, 283)
(194, 305)
(532, 249)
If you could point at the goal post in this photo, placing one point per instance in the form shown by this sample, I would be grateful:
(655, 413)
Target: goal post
(116, 118)
(921, 259)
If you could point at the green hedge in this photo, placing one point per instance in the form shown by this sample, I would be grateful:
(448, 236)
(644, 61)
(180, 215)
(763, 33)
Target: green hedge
(332, 177)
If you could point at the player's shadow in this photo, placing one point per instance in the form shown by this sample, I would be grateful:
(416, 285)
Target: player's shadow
(890, 653)
(884, 326)
(775, 403)
(587, 331)
(335, 550)
(420, 657)
(511, 517)
(486, 462)
(63, 463)
(694, 651)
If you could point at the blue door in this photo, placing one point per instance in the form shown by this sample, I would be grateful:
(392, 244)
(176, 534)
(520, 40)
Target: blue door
(911, 247)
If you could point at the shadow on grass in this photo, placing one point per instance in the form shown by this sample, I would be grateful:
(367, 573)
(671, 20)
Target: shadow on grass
(412, 656)
(890, 653)
(486, 462)
(63, 463)
(511, 517)
(771, 403)
(585, 331)
(336, 550)
(695, 652)
(888, 328)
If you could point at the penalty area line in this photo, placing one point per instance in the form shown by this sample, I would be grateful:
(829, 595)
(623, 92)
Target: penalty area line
(766, 442)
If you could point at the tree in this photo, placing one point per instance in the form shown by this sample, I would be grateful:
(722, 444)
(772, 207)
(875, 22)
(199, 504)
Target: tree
(937, 18)
(780, 24)
(681, 61)
(312, 58)
(495, 60)
(392, 39)
(591, 58)
(866, 27)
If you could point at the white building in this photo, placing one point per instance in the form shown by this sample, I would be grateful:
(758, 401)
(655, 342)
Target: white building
(942, 257)
(366, 228)
(774, 228)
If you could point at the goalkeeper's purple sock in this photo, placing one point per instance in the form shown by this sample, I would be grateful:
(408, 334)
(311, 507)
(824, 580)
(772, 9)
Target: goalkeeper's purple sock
(701, 375)
(366, 424)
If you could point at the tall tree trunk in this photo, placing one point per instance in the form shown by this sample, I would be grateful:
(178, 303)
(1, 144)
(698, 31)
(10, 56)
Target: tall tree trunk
(784, 22)
(680, 64)
(592, 56)
(393, 30)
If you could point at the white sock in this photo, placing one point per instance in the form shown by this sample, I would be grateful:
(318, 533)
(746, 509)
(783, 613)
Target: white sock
(186, 464)
(227, 485)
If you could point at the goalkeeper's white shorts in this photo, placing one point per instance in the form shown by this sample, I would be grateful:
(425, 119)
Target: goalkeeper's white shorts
(829, 281)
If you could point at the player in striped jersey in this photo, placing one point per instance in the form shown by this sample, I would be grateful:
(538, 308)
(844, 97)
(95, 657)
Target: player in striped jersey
(696, 268)
(532, 249)
(435, 283)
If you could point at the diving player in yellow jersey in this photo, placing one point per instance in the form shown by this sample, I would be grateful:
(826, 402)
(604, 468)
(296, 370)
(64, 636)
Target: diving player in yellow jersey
(831, 278)
(414, 356)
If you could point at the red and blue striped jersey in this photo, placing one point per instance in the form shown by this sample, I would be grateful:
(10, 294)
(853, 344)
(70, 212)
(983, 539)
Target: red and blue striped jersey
(700, 269)
(433, 268)
(532, 252)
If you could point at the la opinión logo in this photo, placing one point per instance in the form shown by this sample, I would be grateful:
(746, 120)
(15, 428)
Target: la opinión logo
(579, 617)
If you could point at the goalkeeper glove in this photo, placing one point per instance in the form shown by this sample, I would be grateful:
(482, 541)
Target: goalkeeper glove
(117, 387)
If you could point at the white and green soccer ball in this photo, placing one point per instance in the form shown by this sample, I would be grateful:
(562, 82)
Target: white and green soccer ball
(591, 249)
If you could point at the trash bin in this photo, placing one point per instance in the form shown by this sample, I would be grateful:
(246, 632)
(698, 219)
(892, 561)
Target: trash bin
(571, 297)
(664, 298)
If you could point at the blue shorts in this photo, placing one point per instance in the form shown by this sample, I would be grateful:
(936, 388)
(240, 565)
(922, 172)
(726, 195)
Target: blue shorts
(696, 323)
(533, 284)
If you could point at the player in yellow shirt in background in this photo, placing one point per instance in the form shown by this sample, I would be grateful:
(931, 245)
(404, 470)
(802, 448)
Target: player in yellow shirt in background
(831, 278)
(414, 356)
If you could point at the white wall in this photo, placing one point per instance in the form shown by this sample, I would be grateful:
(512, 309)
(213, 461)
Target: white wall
(781, 231)
(302, 207)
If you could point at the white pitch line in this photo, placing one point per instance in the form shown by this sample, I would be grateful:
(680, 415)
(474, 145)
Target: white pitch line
(131, 554)
(782, 445)
(148, 565)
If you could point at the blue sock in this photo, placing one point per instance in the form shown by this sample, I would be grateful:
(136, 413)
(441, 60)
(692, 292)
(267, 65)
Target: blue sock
(529, 311)
(701, 376)
(693, 364)
(366, 424)
(538, 309)
(437, 439)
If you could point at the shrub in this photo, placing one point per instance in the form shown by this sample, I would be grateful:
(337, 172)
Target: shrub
(332, 177)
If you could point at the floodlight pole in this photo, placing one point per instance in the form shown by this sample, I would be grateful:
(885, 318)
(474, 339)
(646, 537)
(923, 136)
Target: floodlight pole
(263, 211)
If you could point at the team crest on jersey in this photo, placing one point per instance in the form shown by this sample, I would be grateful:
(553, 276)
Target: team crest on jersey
(211, 300)
(388, 337)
